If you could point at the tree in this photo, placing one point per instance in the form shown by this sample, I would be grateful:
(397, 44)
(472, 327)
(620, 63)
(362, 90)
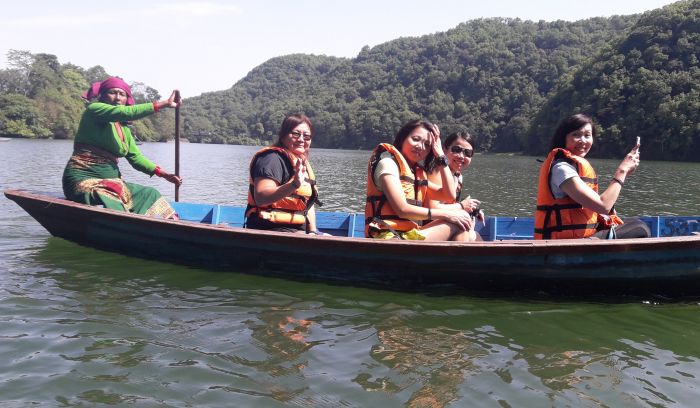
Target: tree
(42, 97)
(20, 118)
(96, 74)
(489, 75)
(644, 84)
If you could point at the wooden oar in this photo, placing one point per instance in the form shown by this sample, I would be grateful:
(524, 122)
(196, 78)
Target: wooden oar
(177, 144)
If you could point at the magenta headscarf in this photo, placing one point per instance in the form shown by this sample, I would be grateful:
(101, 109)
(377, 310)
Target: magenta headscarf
(112, 82)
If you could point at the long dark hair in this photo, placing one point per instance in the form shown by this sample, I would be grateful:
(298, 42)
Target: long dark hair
(406, 130)
(568, 125)
(289, 123)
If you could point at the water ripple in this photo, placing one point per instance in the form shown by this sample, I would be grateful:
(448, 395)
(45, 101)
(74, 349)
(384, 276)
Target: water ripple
(82, 327)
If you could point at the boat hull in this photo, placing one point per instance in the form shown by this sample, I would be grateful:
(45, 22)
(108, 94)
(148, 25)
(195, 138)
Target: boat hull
(666, 266)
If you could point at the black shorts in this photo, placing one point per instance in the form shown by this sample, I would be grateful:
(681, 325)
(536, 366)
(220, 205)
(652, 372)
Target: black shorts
(254, 222)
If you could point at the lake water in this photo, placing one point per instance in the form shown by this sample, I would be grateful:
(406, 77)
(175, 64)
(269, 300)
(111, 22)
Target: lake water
(81, 327)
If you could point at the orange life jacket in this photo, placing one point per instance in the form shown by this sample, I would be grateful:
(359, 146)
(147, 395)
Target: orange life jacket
(379, 215)
(431, 195)
(291, 209)
(558, 218)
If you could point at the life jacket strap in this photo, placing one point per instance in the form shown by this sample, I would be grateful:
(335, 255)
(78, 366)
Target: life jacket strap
(557, 227)
(388, 227)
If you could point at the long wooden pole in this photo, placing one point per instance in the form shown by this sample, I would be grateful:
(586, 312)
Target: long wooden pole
(177, 144)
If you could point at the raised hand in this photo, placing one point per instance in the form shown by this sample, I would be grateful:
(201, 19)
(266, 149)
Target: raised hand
(299, 173)
(174, 100)
(434, 137)
(631, 161)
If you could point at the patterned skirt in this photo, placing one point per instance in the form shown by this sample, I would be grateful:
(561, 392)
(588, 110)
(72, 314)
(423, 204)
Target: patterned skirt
(92, 177)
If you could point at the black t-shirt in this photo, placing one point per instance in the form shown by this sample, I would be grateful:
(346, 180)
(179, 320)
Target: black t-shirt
(272, 165)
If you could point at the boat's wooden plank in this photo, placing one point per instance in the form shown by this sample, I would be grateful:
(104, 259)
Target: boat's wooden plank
(352, 224)
(512, 228)
(194, 212)
(678, 226)
(359, 228)
(231, 216)
(335, 223)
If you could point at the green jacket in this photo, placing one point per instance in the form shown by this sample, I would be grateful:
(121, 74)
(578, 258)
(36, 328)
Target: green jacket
(98, 128)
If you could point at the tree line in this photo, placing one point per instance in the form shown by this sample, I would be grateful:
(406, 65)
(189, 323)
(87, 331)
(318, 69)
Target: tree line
(41, 98)
(506, 81)
(645, 84)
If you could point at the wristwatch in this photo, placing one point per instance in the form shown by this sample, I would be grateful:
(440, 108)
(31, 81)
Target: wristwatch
(442, 160)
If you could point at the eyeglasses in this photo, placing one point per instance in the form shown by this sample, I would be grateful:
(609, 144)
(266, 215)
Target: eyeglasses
(297, 135)
(463, 150)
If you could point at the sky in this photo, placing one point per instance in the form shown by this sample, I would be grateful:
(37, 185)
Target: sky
(205, 46)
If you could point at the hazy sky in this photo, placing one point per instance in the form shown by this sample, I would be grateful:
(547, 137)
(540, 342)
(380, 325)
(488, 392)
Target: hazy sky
(203, 46)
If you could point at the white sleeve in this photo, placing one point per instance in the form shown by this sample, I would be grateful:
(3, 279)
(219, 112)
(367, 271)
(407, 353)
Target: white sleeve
(561, 171)
(386, 165)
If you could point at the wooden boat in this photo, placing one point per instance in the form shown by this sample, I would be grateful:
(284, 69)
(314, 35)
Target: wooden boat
(211, 236)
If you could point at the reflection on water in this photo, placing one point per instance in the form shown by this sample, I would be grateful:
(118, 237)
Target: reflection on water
(449, 354)
(82, 327)
(85, 327)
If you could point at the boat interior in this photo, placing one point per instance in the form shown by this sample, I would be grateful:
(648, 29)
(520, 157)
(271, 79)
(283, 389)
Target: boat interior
(352, 224)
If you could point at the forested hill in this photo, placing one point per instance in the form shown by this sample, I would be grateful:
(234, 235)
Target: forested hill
(490, 76)
(41, 98)
(646, 84)
(507, 81)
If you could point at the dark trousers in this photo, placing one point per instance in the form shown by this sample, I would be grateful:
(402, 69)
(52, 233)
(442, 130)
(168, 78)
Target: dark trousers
(255, 222)
(632, 228)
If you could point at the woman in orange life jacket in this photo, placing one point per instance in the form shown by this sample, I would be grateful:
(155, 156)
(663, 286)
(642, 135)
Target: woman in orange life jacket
(568, 202)
(282, 189)
(459, 149)
(397, 184)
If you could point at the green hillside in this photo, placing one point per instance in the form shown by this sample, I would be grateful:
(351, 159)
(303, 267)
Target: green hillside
(507, 81)
(646, 84)
(490, 76)
(41, 98)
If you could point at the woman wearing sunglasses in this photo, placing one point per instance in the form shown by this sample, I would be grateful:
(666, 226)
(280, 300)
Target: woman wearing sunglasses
(459, 149)
(397, 185)
(282, 189)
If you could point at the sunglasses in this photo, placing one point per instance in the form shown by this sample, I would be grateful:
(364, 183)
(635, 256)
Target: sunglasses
(463, 150)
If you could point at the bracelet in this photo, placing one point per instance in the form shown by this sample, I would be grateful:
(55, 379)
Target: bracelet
(157, 171)
(618, 181)
(430, 214)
